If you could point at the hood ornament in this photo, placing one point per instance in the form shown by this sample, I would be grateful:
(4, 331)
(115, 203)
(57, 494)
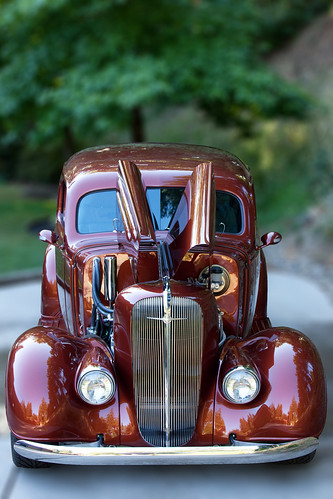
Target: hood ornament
(167, 319)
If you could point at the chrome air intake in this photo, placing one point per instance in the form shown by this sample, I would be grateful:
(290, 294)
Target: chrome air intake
(167, 337)
(110, 270)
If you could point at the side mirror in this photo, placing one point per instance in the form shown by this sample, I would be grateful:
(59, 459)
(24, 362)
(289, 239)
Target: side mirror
(269, 239)
(48, 236)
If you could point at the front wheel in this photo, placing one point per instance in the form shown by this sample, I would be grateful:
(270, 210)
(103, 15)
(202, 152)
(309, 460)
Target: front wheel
(24, 462)
(300, 460)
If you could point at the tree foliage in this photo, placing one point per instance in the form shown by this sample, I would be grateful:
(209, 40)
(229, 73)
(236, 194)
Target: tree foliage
(72, 70)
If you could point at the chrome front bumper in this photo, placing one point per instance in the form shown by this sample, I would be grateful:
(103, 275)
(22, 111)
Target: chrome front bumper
(95, 454)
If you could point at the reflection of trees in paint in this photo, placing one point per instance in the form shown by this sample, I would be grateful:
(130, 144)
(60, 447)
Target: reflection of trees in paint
(272, 415)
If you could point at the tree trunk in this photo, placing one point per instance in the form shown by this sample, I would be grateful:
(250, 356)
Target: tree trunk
(137, 125)
(68, 144)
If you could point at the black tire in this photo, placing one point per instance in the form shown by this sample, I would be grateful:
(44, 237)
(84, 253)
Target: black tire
(24, 462)
(300, 460)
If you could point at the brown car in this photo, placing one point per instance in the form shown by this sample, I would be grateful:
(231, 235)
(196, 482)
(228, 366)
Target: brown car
(154, 344)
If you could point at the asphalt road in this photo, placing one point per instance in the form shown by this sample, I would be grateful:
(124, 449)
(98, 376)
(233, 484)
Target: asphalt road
(294, 302)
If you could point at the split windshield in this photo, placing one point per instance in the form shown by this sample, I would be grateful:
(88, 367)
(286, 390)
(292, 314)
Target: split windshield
(98, 211)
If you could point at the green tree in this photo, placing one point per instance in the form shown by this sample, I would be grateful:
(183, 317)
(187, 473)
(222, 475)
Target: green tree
(72, 70)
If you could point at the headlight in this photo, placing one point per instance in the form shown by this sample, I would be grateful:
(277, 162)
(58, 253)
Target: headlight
(241, 385)
(96, 385)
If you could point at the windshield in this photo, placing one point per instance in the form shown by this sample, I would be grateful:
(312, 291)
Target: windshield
(98, 211)
(163, 202)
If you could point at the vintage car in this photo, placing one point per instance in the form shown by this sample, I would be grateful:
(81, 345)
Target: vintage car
(154, 345)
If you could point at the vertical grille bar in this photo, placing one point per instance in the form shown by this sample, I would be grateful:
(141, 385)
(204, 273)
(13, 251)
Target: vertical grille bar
(177, 344)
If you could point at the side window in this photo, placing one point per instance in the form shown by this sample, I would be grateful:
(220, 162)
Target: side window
(229, 216)
(98, 211)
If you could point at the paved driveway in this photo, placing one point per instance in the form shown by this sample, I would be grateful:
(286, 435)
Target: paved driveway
(293, 302)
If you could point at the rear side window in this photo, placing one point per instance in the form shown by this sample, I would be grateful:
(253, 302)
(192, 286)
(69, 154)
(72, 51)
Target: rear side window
(98, 211)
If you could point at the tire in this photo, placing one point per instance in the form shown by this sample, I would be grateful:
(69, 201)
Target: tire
(24, 462)
(300, 460)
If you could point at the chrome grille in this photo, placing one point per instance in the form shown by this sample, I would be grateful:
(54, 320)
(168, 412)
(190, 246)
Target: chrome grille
(166, 360)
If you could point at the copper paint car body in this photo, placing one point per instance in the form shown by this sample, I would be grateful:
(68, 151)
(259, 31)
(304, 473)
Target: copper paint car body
(196, 419)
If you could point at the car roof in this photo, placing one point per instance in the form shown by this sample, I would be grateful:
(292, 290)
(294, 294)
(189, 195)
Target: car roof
(155, 156)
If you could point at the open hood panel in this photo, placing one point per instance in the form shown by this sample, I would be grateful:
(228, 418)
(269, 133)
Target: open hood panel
(193, 223)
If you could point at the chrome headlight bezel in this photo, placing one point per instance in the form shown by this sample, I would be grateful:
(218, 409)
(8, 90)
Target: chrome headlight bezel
(236, 374)
(90, 372)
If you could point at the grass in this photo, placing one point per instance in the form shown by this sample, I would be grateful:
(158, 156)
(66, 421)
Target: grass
(20, 247)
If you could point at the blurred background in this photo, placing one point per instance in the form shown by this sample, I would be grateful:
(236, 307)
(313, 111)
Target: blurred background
(254, 77)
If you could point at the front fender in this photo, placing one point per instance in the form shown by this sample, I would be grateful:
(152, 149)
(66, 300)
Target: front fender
(41, 399)
(292, 400)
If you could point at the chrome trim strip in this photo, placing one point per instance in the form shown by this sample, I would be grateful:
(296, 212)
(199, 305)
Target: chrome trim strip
(240, 453)
(167, 356)
(165, 265)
